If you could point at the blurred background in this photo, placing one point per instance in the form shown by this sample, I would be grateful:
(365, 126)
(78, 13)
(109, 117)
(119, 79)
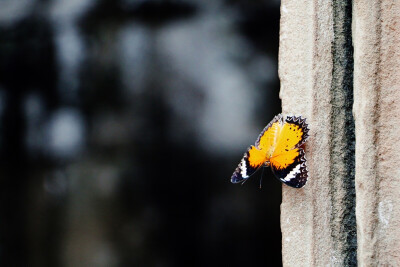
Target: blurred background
(122, 122)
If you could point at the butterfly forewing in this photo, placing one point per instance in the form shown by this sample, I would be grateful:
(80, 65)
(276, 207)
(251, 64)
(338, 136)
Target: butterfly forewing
(292, 134)
(268, 137)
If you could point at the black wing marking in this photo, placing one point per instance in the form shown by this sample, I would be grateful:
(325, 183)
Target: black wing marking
(243, 170)
(296, 174)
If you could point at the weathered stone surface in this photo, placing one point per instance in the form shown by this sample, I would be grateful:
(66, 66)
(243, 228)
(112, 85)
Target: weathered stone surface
(305, 70)
(377, 116)
(315, 68)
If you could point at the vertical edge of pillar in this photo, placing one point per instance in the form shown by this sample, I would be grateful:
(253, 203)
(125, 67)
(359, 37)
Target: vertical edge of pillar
(305, 70)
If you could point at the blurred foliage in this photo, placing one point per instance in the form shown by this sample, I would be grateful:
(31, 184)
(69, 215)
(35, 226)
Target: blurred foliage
(121, 124)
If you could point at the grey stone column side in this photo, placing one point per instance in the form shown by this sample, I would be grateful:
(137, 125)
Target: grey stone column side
(316, 70)
(376, 37)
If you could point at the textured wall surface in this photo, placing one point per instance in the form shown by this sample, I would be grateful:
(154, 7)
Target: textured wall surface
(316, 72)
(377, 116)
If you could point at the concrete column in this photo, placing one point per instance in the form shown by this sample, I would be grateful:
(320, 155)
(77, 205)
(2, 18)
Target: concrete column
(376, 36)
(316, 71)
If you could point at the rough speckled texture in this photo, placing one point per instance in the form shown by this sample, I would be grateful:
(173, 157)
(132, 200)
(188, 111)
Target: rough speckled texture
(342, 173)
(315, 68)
(376, 37)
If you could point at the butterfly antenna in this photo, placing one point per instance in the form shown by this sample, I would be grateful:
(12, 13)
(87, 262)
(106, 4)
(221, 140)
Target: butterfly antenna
(244, 181)
(262, 174)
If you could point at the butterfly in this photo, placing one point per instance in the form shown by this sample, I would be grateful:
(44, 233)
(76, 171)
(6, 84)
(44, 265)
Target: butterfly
(278, 146)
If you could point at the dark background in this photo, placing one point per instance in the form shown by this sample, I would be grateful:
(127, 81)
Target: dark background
(121, 124)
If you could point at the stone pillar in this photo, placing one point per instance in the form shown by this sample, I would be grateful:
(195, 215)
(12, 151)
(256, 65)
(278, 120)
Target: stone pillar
(376, 36)
(316, 71)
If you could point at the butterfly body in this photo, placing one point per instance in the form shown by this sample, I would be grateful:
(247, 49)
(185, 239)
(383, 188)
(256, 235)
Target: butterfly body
(278, 146)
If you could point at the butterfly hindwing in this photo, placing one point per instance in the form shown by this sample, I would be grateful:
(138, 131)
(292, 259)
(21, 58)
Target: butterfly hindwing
(284, 159)
(252, 160)
(295, 174)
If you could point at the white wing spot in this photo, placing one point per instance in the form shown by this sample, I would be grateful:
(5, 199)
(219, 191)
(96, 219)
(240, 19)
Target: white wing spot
(293, 173)
(243, 171)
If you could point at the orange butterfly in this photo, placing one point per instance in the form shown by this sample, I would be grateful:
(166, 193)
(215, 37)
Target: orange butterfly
(278, 146)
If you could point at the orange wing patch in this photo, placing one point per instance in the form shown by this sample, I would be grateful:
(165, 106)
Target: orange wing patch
(290, 136)
(267, 139)
(256, 157)
(283, 160)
